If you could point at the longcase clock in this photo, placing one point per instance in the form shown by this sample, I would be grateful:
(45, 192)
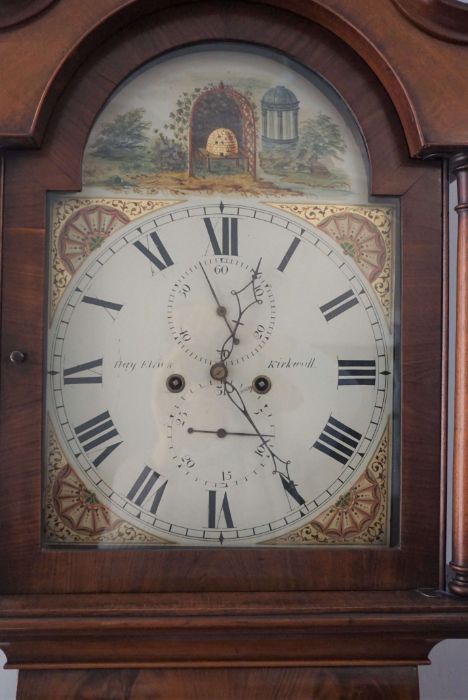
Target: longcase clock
(224, 304)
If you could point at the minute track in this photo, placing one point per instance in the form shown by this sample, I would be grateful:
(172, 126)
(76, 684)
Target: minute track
(303, 390)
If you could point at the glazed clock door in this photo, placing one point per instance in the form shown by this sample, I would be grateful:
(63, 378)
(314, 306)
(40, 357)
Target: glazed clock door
(219, 373)
(221, 353)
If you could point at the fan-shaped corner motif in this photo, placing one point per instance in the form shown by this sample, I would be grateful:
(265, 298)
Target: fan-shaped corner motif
(85, 230)
(360, 239)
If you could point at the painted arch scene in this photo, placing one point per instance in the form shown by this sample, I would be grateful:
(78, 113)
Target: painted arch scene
(240, 120)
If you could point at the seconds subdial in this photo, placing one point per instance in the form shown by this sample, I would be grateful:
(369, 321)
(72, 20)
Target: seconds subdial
(204, 305)
(209, 441)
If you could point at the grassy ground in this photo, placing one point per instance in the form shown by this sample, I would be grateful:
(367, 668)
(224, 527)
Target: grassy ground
(178, 183)
(137, 175)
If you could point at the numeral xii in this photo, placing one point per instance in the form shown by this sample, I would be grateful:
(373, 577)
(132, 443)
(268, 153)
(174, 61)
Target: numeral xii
(229, 241)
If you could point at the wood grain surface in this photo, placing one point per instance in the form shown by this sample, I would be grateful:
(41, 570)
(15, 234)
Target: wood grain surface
(227, 630)
(242, 684)
(57, 166)
(446, 19)
(459, 563)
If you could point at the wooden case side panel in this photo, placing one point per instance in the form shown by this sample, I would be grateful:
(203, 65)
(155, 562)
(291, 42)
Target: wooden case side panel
(459, 563)
(207, 684)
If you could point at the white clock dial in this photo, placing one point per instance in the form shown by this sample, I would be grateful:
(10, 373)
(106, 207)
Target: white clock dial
(219, 373)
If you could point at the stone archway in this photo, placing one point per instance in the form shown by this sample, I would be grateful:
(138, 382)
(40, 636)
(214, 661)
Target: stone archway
(222, 108)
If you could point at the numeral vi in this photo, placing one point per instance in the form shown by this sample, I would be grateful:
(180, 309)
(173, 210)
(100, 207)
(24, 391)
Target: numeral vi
(215, 514)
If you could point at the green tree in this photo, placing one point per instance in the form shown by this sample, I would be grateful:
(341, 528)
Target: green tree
(320, 137)
(122, 137)
(167, 153)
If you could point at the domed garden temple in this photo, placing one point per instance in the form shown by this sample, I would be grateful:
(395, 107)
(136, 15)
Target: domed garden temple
(280, 116)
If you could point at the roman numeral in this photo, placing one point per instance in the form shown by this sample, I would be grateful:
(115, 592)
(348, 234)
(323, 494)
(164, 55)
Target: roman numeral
(290, 487)
(338, 440)
(337, 306)
(95, 432)
(148, 487)
(109, 305)
(352, 372)
(213, 517)
(289, 254)
(161, 264)
(229, 237)
(82, 373)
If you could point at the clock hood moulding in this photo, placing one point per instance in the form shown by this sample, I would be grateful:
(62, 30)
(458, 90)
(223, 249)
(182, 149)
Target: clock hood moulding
(106, 68)
(400, 66)
(445, 19)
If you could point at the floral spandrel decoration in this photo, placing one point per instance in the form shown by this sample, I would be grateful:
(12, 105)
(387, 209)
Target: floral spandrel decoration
(79, 508)
(360, 239)
(358, 516)
(85, 231)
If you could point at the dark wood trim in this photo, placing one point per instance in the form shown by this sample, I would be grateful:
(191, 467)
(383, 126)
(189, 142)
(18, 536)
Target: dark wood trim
(230, 684)
(144, 39)
(252, 604)
(445, 19)
(89, 33)
(227, 630)
(2, 205)
(459, 563)
(429, 123)
(445, 373)
(14, 12)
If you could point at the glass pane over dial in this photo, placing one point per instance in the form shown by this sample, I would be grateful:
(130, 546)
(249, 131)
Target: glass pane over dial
(220, 370)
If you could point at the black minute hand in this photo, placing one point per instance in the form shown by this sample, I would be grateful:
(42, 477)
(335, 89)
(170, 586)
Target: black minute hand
(280, 466)
(221, 310)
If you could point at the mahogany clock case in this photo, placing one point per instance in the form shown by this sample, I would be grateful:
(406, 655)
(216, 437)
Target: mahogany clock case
(417, 560)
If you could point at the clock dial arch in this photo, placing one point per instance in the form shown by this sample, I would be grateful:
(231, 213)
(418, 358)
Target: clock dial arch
(333, 403)
(57, 166)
